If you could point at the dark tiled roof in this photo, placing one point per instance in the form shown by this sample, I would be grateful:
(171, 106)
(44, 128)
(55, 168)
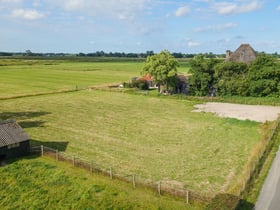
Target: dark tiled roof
(11, 132)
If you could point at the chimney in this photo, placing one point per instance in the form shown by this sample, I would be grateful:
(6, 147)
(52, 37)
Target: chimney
(228, 54)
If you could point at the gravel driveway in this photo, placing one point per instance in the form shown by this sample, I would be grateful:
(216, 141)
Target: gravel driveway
(242, 112)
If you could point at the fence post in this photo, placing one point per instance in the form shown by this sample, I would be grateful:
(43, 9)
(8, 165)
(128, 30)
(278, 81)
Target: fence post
(56, 155)
(73, 161)
(187, 197)
(42, 150)
(111, 173)
(159, 187)
(133, 180)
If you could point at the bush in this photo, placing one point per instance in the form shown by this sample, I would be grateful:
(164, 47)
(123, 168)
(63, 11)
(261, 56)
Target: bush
(141, 84)
(223, 202)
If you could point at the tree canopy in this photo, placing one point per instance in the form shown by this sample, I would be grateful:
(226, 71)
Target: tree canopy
(259, 78)
(202, 80)
(162, 67)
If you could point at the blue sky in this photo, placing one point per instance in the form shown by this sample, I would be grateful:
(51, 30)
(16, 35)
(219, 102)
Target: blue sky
(194, 26)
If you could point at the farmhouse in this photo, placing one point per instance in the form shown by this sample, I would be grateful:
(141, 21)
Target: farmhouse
(245, 53)
(14, 142)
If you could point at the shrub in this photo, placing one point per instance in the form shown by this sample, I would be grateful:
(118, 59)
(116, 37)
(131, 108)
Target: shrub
(141, 84)
(223, 202)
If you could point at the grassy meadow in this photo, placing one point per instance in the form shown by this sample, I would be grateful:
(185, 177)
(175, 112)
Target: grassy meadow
(157, 138)
(23, 77)
(42, 183)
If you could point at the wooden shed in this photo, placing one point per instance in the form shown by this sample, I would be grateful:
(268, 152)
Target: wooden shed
(14, 142)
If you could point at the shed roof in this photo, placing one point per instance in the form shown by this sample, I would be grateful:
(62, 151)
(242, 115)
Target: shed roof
(245, 53)
(11, 133)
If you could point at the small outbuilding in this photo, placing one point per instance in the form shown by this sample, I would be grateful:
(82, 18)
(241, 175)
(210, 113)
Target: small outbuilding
(14, 141)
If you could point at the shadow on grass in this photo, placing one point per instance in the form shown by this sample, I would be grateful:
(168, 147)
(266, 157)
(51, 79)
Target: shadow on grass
(21, 115)
(245, 205)
(24, 118)
(57, 145)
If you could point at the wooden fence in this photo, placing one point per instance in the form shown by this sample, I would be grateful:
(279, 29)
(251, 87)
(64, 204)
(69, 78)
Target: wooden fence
(161, 187)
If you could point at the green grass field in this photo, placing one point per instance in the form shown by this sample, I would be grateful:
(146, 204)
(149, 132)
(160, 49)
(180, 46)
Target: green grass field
(42, 183)
(156, 138)
(22, 77)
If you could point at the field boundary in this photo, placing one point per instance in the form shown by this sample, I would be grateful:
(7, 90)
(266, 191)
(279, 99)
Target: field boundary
(255, 167)
(43, 93)
(104, 87)
(172, 188)
(160, 187)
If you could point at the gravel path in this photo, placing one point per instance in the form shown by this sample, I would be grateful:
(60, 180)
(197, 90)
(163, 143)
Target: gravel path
(242, 112)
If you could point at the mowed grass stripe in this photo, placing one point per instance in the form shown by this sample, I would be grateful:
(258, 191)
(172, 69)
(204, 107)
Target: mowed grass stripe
(26, 79)
(153, 137)
(43, 76)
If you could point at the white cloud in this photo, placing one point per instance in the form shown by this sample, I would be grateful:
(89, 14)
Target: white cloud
(122, 10)
(182, 11)
(27, 14)
(278, 8)
(193, 44)
(229, 8)
(216, 28)
(10, 1)
(8, 4)
(73, 5)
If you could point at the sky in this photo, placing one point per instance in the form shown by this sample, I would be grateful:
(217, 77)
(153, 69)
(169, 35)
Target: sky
(193, 26)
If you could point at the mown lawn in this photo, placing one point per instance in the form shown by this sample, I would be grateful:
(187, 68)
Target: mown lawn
(53, 76)
(42, 183)
(21, 77)
(156, 138)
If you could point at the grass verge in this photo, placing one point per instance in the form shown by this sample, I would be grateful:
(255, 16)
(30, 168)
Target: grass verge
(41, 183)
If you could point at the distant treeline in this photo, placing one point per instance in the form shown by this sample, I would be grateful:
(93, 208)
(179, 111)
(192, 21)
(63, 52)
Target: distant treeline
(117, 54)
(110, 54)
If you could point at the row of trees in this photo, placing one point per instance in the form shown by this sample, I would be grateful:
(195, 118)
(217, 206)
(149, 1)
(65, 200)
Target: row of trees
(111, 54)
(214, 77)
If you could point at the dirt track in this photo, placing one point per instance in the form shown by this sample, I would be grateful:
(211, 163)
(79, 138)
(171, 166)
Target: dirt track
(243, 112)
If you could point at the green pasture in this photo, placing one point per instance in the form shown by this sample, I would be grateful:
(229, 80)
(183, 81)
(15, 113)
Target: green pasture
(53, 76)
(41, 183)
(156, 138)
(23, 77)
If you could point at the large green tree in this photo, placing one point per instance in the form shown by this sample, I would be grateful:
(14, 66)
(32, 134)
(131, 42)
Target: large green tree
(162, 67)
(260, 78)
(231, 78)
(202, 80)
(264, 76)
